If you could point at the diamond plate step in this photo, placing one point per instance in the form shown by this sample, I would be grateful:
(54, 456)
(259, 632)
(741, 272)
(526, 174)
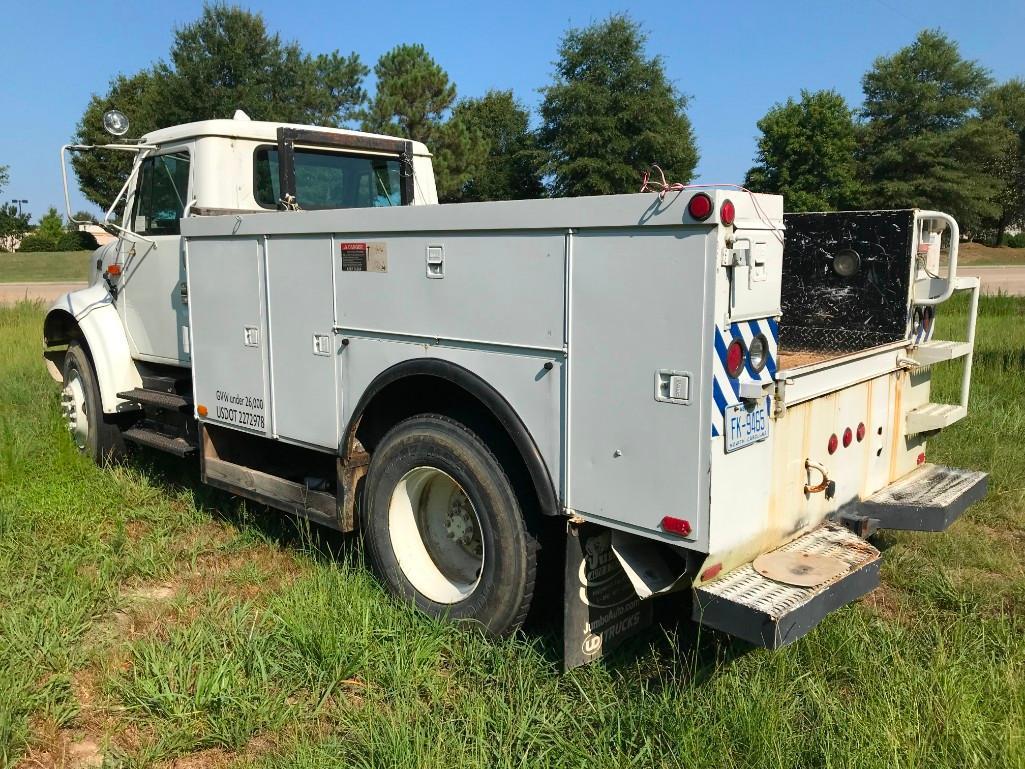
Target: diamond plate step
(158, 399)
(767, 613)
(156, 440)
(929, 498)
(934, 416)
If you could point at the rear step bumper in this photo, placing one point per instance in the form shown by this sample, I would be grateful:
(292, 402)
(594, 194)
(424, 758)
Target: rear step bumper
(929, 498)
(772, 614)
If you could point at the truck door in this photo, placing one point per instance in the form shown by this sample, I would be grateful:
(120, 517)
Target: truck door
(153, 299)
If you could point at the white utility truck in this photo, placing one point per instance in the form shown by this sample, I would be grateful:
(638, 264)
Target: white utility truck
(704, 394)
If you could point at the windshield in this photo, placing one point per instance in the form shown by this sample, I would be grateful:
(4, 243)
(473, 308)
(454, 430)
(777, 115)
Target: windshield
(325, 179)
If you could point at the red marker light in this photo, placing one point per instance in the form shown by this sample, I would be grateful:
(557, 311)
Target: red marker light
(676, 526)
(735, 358)
(700, 207)
(833, 443)
(727, 212)
(861, 432)
(113, 270)
(848, 437)
(921, 458)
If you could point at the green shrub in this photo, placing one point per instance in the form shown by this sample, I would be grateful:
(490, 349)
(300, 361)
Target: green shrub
(66, 241)
(75, 240)
(33, 243)
(1015, 241)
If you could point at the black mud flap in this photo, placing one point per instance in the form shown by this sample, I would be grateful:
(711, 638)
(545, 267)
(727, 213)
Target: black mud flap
(762, 611)
(929, 498)
(601, 606)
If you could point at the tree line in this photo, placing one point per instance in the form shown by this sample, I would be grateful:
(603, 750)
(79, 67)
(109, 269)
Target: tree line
(609, 110)
(934, 130)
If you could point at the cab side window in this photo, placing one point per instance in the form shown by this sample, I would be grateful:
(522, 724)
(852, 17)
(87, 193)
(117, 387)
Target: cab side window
(161, 194)
(327, 179)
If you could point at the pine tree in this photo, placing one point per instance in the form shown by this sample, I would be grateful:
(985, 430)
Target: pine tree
(414, 99)
(611, 112)
(925, 145)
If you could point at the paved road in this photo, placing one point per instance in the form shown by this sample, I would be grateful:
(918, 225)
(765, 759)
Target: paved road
(1010, 280)
(47, 292)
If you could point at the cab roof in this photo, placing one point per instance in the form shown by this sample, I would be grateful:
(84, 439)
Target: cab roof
(255, 130)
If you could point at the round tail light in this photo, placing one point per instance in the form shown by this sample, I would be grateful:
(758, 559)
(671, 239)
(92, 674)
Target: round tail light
(727, 212)
(861, 432)
(834, 442)
(848, 437)
(735, 358)
(700, 206)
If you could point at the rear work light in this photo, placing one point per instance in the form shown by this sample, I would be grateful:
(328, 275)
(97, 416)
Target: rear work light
(727, 212)
(700, 207)
(758, 352)
(735, 358)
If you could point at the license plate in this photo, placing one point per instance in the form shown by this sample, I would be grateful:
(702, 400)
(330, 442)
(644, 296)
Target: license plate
(746, 425)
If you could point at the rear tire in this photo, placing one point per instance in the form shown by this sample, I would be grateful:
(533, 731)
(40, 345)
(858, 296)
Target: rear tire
(91, 432)
(444, 528)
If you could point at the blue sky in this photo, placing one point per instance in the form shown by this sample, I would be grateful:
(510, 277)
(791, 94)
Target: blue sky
(734, 59)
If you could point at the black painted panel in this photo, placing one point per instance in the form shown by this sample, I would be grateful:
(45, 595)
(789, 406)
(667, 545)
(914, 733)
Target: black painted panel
(823, 310)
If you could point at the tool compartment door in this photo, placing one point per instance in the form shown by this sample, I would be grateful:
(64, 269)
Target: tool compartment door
(304, 349)
(229, 333)
(638, 403)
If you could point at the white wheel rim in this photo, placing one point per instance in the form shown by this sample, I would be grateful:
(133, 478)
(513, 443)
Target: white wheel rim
(436, 535)
(75, 413)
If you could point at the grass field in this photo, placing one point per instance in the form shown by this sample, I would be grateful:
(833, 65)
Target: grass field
(57, 267)
(151, 621)
(981, 255)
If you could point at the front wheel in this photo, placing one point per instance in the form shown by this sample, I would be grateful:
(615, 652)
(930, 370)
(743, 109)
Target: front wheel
(444, 528)
(92, 434)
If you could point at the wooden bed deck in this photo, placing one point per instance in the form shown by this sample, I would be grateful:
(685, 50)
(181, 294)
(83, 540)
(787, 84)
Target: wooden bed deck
(795, 358)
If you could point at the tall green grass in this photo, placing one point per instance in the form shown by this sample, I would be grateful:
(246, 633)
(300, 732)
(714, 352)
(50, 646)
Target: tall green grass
(270, 644)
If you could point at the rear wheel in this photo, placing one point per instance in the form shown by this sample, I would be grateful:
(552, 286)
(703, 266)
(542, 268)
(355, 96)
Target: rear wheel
(444, 528)
(92, 434)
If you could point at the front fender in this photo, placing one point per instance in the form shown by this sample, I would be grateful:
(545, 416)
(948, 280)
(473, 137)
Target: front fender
(90, 314)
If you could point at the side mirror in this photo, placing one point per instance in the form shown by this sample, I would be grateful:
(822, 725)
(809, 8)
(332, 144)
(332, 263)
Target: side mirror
(115, 122)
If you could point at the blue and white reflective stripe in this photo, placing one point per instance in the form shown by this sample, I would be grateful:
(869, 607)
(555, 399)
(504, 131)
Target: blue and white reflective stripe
(725, 389)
